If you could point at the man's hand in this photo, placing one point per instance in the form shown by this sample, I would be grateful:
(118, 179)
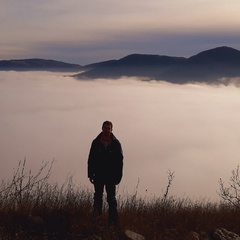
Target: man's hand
(91, 180)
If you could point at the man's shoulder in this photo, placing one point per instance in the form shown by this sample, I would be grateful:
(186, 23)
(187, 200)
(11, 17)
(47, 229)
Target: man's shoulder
(115, 140)
(97, 138)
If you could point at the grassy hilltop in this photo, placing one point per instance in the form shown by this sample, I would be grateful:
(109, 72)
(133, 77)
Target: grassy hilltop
(32, 208)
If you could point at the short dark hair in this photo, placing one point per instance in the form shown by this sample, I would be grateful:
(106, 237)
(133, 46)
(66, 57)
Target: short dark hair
(107, 123)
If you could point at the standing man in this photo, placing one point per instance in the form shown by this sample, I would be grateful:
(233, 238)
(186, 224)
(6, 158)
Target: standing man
(105, 164)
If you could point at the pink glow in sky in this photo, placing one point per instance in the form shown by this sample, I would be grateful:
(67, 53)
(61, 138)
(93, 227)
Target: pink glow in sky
(88, 31)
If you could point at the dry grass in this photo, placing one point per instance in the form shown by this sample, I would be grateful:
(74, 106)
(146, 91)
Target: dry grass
(31, 208)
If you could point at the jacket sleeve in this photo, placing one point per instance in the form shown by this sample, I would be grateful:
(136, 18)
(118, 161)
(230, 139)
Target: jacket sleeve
(91, 157)
(119, 164)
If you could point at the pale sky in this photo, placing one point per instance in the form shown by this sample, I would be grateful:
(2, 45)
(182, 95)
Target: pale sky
(84, 32)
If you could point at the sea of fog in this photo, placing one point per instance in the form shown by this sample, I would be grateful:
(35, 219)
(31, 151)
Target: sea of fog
(192, 130)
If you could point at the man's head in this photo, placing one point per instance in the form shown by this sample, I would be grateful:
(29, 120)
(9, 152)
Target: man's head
(107, 127)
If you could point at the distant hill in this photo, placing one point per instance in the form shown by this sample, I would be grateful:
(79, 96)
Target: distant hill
(207, 66)
(38, 64)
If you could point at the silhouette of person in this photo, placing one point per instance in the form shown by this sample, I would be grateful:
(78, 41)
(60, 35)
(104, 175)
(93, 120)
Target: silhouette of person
(105, 167)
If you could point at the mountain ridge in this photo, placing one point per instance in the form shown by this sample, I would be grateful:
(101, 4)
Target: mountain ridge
(220, 53)
(207, 66)
(38, 64)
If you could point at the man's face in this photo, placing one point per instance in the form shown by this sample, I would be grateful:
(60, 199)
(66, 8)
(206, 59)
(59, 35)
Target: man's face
(107, 129)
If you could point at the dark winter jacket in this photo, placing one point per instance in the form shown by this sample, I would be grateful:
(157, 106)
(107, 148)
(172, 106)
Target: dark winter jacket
(105, 163)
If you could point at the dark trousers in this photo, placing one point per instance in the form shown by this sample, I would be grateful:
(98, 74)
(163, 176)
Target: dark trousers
(111, 199)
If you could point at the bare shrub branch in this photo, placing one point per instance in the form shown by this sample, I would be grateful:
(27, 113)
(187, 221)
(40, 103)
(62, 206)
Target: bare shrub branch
(24, 185)
(165, 197)
(231, 193)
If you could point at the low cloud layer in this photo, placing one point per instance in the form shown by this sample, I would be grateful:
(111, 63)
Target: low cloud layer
(192, 130)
